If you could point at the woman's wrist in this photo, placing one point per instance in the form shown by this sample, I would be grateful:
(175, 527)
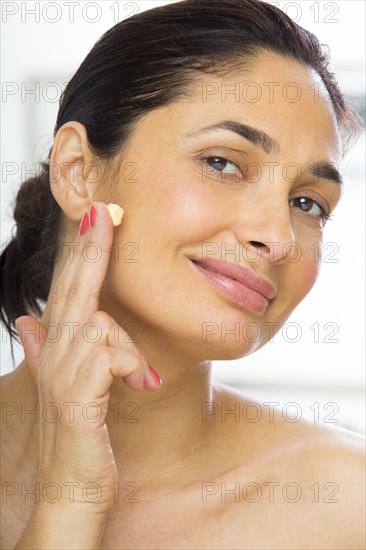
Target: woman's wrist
(59, 527)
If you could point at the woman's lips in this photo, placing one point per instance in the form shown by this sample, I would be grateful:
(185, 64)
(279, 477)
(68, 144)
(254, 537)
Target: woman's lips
(235, 290)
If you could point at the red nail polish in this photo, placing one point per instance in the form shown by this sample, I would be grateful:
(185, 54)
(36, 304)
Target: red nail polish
(156, 377)
(92, 215)
(84, 224)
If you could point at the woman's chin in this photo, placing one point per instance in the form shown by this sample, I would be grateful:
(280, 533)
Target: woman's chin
(227, 351)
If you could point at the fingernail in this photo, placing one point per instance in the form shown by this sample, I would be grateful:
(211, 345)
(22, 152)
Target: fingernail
(155, 375)
(84, 224)
(92, 215)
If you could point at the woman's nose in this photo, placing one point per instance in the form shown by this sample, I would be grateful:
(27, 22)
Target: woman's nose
(266, 232)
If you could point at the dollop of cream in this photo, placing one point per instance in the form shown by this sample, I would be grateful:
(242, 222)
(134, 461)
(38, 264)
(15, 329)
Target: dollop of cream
(116, 213)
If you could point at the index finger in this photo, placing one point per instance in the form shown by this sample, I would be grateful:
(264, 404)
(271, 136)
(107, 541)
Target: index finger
(77, 290)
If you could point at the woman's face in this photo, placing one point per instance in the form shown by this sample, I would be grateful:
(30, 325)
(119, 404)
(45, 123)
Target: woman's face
(228, 197)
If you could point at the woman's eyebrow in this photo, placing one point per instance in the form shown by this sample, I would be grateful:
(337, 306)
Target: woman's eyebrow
(254, 135)
(325, 170)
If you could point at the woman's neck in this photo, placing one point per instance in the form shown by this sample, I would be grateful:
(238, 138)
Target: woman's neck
(163, 435)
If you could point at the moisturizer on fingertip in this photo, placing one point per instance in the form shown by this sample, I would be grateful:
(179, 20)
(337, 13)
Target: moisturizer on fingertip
(116, 213)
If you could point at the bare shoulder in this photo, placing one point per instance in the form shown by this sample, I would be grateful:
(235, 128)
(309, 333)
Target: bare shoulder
(317, 466)
(320, 440)
(19, 400)
(18, 455)
(330, 464)
(13, 393)
(9, 405)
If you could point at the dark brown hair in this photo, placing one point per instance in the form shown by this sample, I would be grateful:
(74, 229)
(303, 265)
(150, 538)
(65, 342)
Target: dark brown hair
(140, 64)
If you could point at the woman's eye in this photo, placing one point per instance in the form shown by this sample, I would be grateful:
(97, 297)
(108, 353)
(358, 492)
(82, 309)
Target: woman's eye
(223, 166)
(309, 206)
(305, 204)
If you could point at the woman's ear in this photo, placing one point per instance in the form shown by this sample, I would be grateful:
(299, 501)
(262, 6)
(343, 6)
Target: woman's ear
(71, 163)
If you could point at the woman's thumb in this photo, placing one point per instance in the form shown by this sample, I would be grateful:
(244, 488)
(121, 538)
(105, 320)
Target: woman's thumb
(33, 336)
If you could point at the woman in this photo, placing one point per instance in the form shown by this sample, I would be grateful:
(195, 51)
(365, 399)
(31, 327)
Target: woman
(150, 122)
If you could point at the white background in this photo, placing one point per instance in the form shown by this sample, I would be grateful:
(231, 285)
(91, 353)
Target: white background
(38, 50)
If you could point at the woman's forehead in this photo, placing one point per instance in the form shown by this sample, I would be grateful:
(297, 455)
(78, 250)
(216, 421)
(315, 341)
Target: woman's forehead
(277, 96)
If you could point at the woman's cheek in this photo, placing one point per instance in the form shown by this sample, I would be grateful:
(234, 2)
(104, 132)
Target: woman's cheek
(308, 267)
(187, 211)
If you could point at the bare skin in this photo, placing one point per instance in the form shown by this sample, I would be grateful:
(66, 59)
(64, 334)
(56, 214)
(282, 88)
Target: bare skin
(177, 465)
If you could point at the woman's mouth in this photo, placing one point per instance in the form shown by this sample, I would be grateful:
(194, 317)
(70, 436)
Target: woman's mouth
(238, 291)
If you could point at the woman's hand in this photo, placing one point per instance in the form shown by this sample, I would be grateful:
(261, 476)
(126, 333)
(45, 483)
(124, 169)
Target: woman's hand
(75, 375)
